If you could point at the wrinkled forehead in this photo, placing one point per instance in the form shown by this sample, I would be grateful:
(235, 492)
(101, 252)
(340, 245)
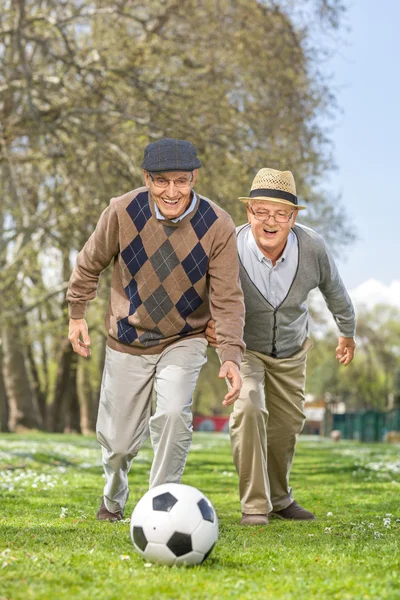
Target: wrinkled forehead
(267, 205)
(172, 174)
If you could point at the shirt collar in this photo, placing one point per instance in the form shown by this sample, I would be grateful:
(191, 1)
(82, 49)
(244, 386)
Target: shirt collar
(187, 211)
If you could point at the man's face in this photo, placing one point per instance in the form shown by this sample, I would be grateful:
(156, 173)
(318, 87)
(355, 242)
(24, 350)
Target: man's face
(171, 191)
(270, 236)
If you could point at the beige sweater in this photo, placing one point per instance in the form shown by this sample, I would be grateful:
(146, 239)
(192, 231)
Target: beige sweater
(168, 278)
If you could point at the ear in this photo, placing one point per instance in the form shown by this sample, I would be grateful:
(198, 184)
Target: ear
(146, 178)
(248, 213)
(194, 176)
(294, 217)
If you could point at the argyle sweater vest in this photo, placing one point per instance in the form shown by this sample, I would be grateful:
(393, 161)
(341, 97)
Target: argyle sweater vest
(168, 278)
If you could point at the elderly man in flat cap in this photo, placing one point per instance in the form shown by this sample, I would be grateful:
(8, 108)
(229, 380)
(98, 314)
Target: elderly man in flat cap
(280, 263)
(175, 266)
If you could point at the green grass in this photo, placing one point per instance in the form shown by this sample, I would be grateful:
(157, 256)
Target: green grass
(52, 547)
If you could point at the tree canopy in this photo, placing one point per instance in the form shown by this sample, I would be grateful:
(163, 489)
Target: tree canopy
(85, 85)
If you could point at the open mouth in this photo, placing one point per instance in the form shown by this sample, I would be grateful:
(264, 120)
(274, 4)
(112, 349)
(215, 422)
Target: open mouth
(270, 232)
(170, 202)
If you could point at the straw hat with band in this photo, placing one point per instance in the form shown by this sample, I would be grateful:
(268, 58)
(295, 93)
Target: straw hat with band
(274, 186)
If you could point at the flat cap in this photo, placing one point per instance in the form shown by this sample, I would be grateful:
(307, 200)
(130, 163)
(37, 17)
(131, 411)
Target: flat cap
(168, 154)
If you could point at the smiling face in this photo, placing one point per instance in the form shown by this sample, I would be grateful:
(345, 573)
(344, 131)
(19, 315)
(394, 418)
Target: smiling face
(171, 191)
(270, 236)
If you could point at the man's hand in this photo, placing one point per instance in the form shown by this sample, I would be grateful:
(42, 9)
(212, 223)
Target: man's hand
(78, 328)
(345, 350)
(210, 334)
(230, 372)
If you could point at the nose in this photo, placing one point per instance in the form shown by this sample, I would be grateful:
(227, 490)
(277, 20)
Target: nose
(171, 188)
(266, 219)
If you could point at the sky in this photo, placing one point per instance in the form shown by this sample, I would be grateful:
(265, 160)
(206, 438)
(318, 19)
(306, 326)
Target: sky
(366, 141)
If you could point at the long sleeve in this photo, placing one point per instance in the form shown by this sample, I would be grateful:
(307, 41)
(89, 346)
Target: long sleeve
(337, 297)
(226, 296)
(95, 256)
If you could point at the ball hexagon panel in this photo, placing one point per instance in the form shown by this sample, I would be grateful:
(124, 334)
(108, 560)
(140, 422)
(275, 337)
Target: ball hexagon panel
(157, 527)
(193, 558)
(159, 553)
(205, 536)
(185, 517)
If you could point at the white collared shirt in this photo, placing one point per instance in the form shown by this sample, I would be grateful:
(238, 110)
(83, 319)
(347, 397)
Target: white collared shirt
(187, 211)
(273, 281)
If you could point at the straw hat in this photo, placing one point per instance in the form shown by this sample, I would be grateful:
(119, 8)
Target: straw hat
(274, 186)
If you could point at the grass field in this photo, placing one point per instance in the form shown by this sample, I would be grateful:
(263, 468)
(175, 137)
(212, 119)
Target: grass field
(52, 547)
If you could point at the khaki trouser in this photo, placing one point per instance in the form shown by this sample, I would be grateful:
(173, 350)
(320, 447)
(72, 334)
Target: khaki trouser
(264, 426)
(124, 420)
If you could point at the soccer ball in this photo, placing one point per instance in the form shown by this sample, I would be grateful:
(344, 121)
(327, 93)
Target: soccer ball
(174, 524)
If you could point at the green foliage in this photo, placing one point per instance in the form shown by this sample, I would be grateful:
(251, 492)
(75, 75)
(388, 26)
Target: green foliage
(86, 85)
(370, 380)
(51, 546)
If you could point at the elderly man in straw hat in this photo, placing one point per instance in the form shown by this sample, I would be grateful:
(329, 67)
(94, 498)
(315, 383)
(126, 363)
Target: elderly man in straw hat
(281, 262)
(175, 264)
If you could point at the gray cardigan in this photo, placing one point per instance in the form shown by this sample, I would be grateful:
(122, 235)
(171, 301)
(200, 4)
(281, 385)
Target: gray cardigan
(281, 331)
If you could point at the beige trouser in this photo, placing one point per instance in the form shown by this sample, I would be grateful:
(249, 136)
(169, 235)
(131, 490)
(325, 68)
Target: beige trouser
(264, 427)
(124, 419)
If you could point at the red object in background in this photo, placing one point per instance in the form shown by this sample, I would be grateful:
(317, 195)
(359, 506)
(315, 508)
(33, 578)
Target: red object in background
(218, 424)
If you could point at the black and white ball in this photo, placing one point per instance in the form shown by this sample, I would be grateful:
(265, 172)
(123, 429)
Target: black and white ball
(174, 524)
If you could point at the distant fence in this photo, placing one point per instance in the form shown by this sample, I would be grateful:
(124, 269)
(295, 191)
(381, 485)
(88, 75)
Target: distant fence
(365, 426)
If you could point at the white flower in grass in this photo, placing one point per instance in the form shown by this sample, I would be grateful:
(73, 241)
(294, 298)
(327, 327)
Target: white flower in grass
(329, 514)
(377, 534)
(387, 522)
(125, 557)
(64, 512)
(5, 552)
(147, 565)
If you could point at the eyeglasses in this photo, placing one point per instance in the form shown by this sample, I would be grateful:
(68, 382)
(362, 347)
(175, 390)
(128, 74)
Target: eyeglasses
(163, 182)
(264, 216)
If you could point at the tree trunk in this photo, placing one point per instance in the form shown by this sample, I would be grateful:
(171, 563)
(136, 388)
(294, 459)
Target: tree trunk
(3, 401)
(23, 410)
(64, 413)
(87, 399)
(39, 394)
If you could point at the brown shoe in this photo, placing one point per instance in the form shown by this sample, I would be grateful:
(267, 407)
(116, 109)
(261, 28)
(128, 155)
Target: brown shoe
(105, 515)
(294, 512)
(254, 520)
